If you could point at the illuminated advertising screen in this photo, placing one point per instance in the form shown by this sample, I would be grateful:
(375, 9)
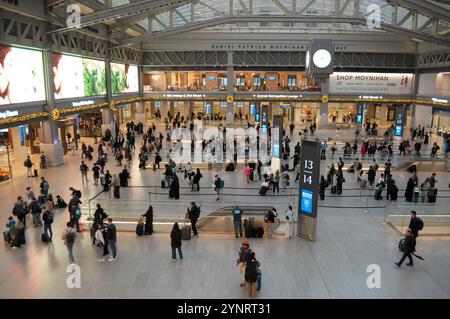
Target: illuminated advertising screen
(78, 77)
(124, 78)
(21, 76)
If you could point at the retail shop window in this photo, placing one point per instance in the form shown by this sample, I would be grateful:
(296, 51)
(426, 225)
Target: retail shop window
(256, 81)
(292, 80)
(240, 81)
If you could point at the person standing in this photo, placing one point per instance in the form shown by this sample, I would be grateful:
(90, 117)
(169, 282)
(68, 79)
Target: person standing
(96, 174)
(290, 220)
(116, 185)
(276, 182)
(196, 180)
(175, 242)
(218, 186)
(251, 274)
(193, 214)
(68, 237)
(174, 190)
(112, 239)
(409, 248)
(84, 171)
(43, 159)
(271, 222)
(322, 185)
(241, 262)
(29, 165)
(47, 218)
(339, 181)
(258, 169)
(247, 173)
(44, 186)
(35, 210)
(148, 228)
(101, 238)
(237, 220)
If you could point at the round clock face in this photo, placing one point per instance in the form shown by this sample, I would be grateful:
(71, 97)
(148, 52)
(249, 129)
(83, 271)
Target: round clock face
(307, 59)
(322, 58)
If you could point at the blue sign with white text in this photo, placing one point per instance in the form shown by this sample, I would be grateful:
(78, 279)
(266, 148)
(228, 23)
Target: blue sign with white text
(307, 201)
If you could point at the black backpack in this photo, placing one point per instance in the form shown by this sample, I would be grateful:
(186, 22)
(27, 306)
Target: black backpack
(251, 271)
(78, 193)
(419, 224)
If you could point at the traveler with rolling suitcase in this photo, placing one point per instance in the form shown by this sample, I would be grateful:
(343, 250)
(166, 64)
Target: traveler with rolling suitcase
(140, 227)
(175, 242)
(244, 252)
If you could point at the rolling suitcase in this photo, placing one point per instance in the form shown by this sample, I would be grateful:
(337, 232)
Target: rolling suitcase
(163, 184)
(186, 232)
(378, 194)
(259, 281)
(259, 232)
(263, 190)
(140, 229)
(36, 173)
(333, 189)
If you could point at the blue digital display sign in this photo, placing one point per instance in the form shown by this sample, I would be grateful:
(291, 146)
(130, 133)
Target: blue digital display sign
(307, 198)
(208, 108)
(276, 150)
(257, 117)
(252, 109)
(359, 119)
(398, 130)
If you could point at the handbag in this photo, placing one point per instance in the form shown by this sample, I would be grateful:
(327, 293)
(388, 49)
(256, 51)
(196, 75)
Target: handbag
(100, 244)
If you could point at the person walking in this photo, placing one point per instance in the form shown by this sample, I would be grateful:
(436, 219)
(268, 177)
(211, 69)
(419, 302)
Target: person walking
(96, 174)
(409, 248)
(148, 228)
(251, 274)
(193, 213)
(84, 171)
(112, 239)
(175, 242)
(68, 237)
(47, 218)
(290, 220)
(29, 165)
(218, 186)
(237, 220)
(247, 171)
(415, 224)
(241, 262)
(258, 169)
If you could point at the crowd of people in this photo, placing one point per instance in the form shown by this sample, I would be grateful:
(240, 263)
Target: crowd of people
(122, 146)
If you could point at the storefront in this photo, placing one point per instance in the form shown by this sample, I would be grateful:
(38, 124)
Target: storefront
(5, 161)
(124, 113)
(68, 129)
(441, 121)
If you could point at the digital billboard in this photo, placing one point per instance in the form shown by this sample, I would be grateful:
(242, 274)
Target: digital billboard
(21, 76)
(78, 77)
(124, 78)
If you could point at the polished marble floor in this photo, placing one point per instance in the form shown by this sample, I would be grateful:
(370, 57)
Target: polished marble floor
(348, 240)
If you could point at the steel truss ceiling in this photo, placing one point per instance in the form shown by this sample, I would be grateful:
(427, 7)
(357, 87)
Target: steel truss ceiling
(421, 20)
(213, 59)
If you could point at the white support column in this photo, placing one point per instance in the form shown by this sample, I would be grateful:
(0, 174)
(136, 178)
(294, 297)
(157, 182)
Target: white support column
(230, 77)
(140, 115)
(323, 116)
(51, 145)
(108, 122)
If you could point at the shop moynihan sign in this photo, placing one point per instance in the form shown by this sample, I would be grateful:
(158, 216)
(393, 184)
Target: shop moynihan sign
(4, 115)
(371, 83)
(277, 96)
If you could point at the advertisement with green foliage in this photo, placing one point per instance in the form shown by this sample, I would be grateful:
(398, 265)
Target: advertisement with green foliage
(124, 78)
